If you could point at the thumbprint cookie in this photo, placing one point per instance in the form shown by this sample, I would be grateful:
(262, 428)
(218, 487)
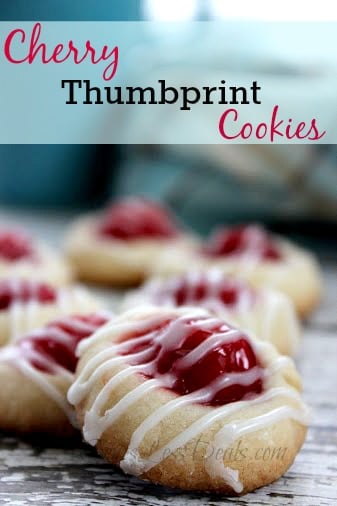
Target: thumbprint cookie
(26, 305)
(251, 253)
(36, 372)
(119, 246)
(170, 394)
(266, 313)
(21, 256)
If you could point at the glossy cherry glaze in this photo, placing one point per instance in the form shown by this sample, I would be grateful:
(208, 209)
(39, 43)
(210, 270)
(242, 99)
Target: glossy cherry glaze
(15, 246)
(136, 219)
(234, 356)
(249, 240)
(57, 342)
(23, 291)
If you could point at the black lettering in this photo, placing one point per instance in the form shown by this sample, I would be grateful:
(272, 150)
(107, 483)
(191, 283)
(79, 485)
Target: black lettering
(71, 83)
(88, 94)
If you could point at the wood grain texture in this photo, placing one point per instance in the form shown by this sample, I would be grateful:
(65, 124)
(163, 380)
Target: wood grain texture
(44, 472)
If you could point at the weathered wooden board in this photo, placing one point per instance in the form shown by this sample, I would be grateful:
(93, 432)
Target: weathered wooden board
(42, 473)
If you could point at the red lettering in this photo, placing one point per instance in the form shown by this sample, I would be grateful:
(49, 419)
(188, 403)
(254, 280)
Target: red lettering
(8, 44)
(222, 124)
(60, 53)
(246, 130)
(33, 50)
(316, 134)
(110, 70)
(264, 128)
(300, 127)
(274, 126)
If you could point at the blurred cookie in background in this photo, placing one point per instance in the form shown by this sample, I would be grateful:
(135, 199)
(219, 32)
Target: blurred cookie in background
(268, 314)
(119, 246)
(250, 253)
(22, 256)
(27, 304)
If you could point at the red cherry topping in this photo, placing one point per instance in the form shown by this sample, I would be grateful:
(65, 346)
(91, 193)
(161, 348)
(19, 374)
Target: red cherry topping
(135, 219)
(169, 356)
(243, 240)
(20, 290)
(15, 246)
(203, 290)
(56, 344)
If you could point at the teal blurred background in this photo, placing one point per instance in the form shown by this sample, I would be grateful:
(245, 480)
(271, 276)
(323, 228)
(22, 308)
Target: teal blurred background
(70, 10)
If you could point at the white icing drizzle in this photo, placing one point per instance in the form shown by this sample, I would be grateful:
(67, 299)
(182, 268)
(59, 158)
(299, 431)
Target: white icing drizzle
(215, 340)
(94, 427)
(24, 316)
(234, 430)
(163, 292)
(97, 420)
(48, 388)
(22, 356)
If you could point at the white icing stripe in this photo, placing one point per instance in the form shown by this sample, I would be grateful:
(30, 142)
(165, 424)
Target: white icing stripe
(31, 355)
(207, 345)
(118, 329)
(135, 341)
(91, 370)
(77, 394)
(233, 431)
(55, 334)
(94, 427)
(76, 325)
(42, 381)
(173, 333)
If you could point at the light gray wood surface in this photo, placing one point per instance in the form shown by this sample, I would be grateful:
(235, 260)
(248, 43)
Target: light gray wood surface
(44, 472)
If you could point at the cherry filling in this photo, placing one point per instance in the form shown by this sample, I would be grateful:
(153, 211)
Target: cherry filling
(230, 360)
(12, 291)
(136, 219)
(56, 344)
(245, 239)
(202, 290)
(15, 246)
